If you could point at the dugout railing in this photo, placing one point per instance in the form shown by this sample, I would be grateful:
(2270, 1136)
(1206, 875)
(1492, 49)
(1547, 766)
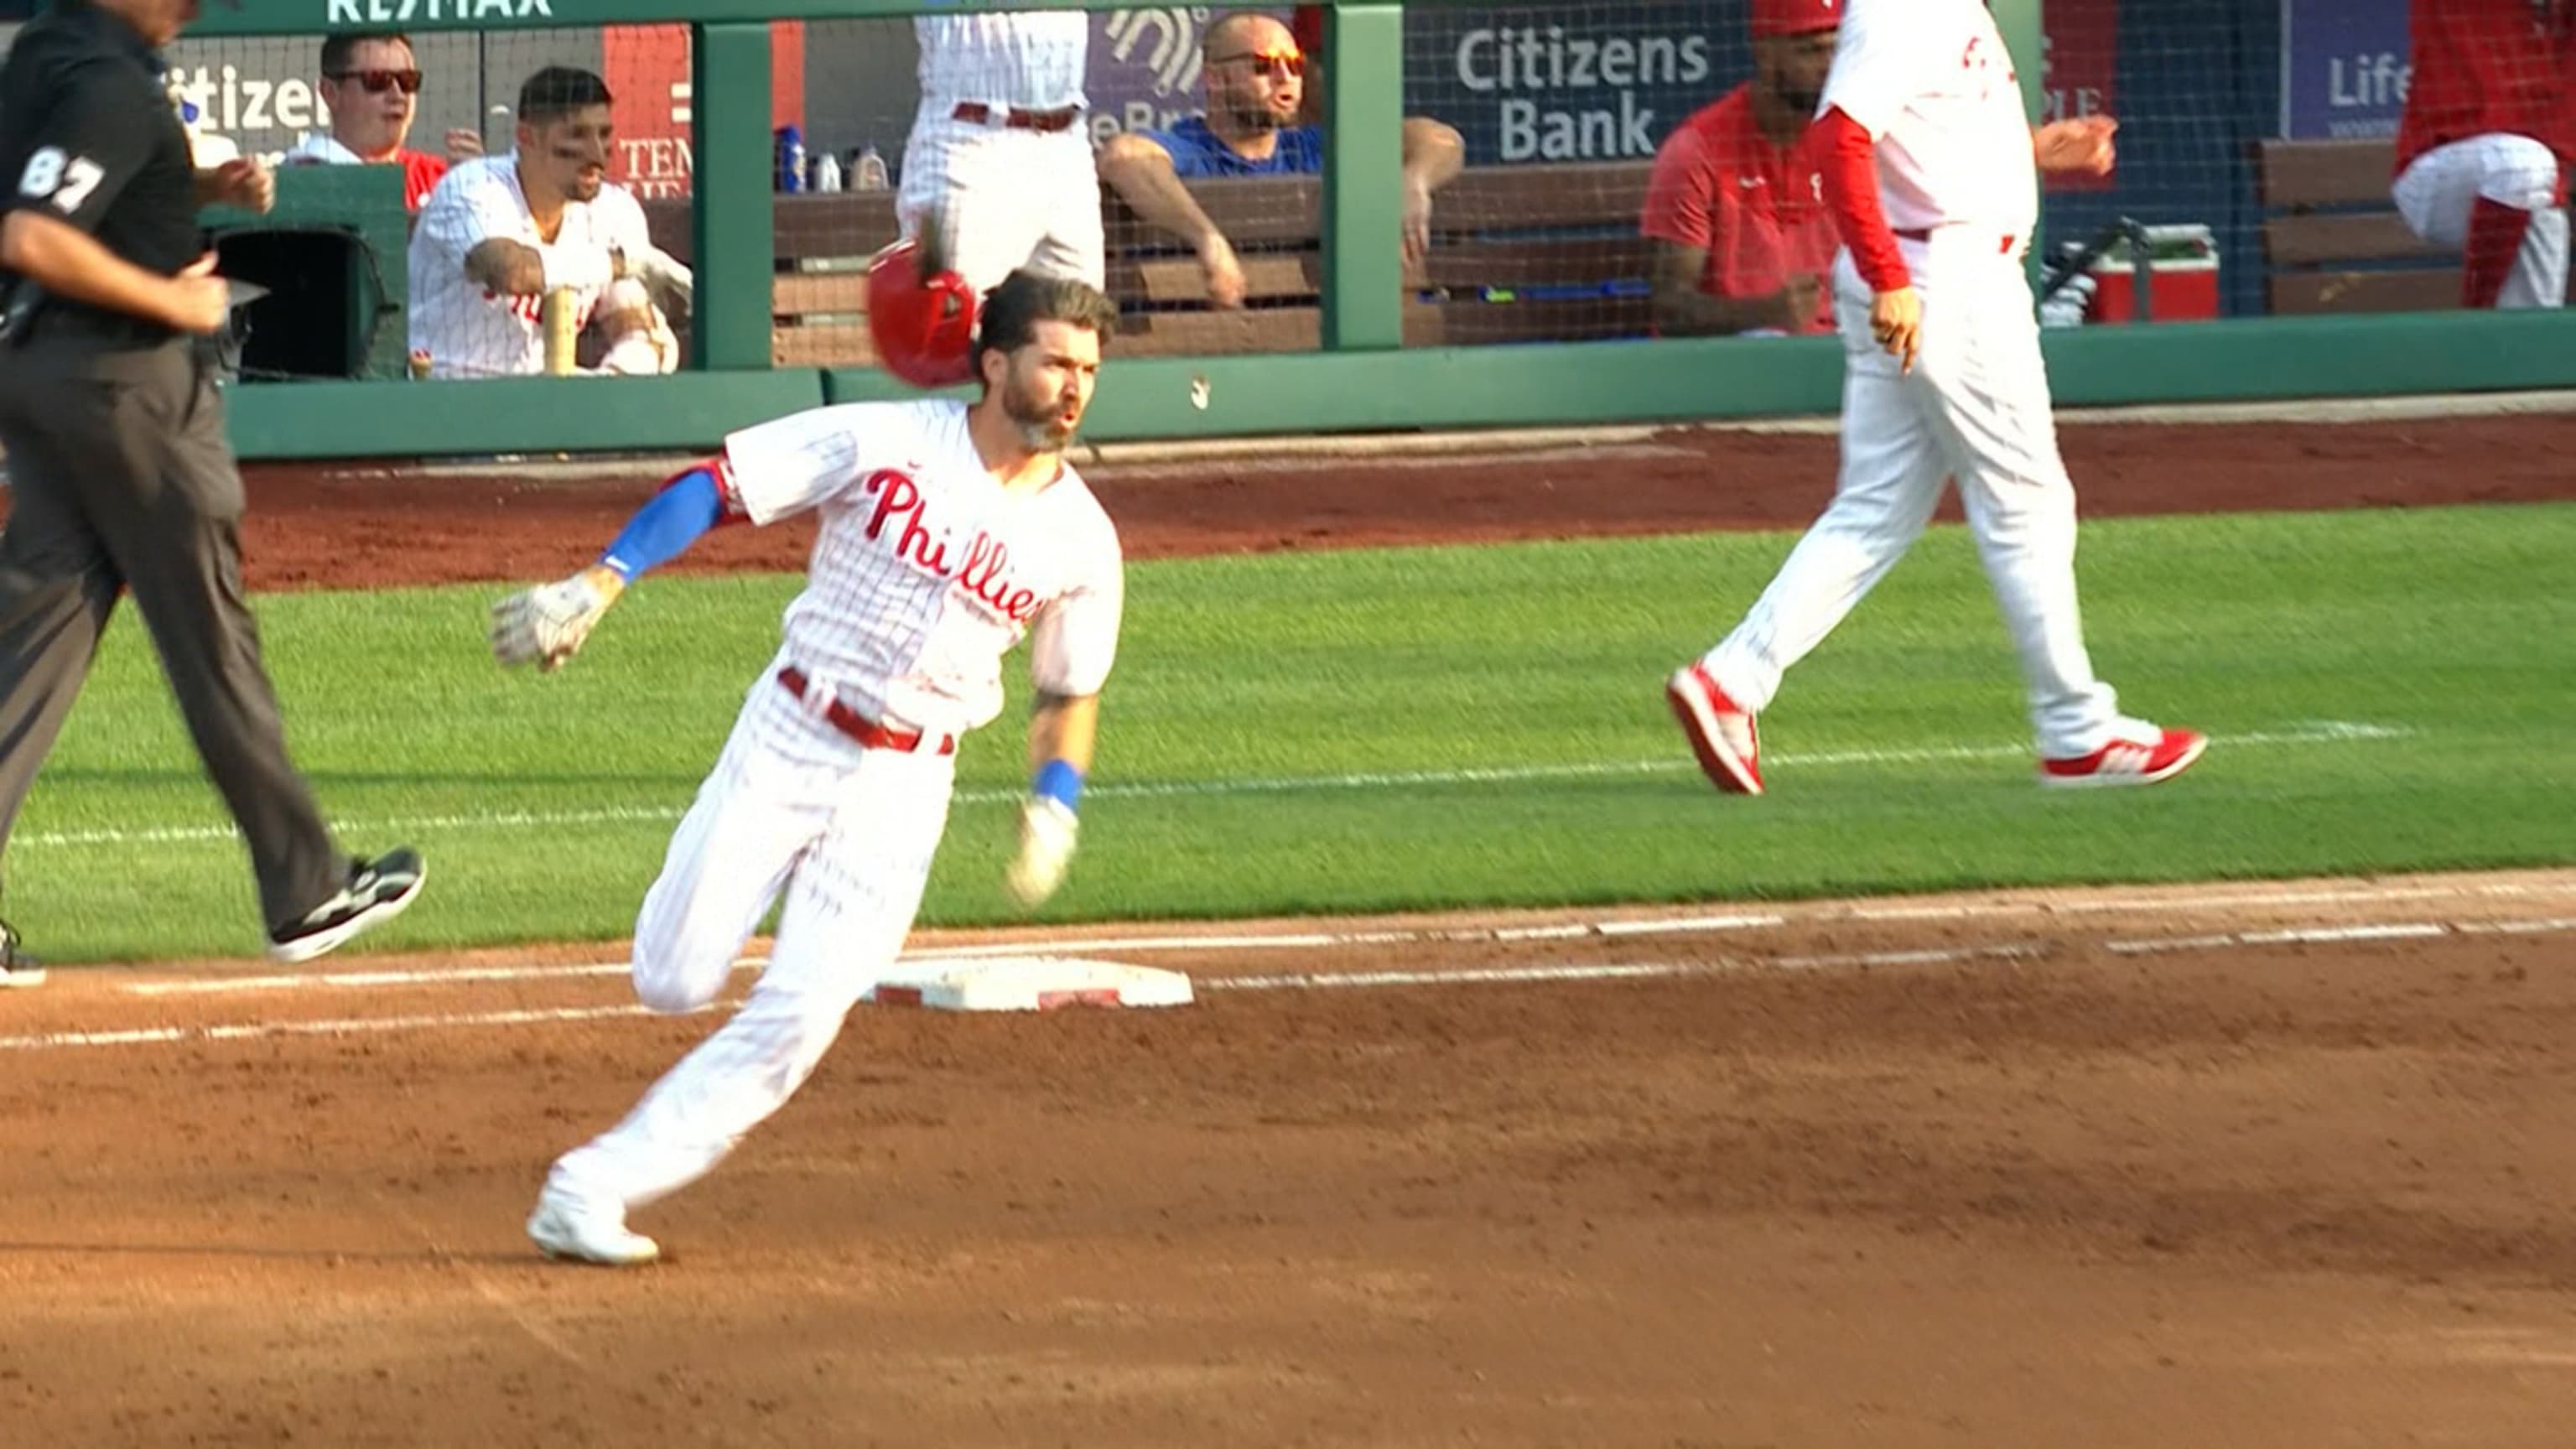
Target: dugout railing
(1359, 376)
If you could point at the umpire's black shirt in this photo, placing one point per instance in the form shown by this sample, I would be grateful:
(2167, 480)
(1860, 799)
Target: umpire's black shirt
(88, 137)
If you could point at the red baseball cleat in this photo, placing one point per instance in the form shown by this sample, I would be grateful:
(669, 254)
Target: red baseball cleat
(1722, 735)
(2129, 762)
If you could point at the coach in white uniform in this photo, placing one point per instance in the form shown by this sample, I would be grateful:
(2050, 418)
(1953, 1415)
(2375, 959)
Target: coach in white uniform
(1000, 161)
(501, 232)
(1931, 170)
(949, 532)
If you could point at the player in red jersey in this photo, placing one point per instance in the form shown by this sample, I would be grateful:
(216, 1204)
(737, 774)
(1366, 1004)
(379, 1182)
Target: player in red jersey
(1736, 204)
(2476, 168)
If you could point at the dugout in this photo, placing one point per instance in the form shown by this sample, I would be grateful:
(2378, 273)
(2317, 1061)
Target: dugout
(330, 256)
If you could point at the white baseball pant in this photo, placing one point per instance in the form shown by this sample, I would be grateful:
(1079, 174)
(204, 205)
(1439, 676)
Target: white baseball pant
(1005, 198)
(2437, 192)
(1975, 406)
(849, 835)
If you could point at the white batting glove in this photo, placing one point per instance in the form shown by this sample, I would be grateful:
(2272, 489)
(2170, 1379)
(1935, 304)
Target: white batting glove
(548, 624)
(1047, 831)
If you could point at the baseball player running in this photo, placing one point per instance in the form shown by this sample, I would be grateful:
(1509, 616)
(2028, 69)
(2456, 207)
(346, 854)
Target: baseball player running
(949, 531)
(1930, 170)
(2474, 170)
(999, 164)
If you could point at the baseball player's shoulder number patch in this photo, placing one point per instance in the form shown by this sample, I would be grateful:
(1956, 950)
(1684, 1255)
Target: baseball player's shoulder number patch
(59, 177)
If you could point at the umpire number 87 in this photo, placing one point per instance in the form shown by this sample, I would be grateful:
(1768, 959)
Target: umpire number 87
(65, 180)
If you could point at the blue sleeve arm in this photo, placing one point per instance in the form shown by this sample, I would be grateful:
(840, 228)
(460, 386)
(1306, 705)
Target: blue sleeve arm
(684, 511)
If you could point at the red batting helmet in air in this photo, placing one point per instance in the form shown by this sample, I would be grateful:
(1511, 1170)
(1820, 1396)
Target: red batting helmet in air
(924, 325)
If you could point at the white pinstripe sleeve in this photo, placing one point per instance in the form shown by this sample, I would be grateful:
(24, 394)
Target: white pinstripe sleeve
(475, 209)
(801, 460)
(1074, 640)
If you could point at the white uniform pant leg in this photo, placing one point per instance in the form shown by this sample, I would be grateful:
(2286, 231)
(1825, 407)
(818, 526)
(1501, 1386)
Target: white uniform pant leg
(980, 183)
(849, 906)
(732, 852)
(1986, 385)
(1891, 479)
(1074, 244)
(2438, 190)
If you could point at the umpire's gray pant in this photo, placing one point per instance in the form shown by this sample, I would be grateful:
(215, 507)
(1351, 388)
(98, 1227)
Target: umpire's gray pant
(120, 477)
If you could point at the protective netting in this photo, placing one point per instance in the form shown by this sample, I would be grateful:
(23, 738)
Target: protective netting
(1566, 160)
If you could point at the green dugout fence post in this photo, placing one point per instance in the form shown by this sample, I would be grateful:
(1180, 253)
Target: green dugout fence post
(1363, 285)
(2025, 29)
(732, 220)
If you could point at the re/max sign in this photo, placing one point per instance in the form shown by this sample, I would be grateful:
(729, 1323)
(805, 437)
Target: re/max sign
(398, 12)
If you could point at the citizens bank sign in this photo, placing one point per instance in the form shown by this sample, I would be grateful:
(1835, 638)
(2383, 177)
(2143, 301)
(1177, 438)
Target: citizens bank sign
(1530, 84)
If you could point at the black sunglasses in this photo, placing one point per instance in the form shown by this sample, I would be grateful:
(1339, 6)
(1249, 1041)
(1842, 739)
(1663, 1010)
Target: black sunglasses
(378, 82)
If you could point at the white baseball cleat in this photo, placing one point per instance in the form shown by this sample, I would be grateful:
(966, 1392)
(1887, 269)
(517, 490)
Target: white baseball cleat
(583, 1230)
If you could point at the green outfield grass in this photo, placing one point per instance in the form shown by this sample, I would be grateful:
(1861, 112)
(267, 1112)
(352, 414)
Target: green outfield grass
(1425, 727)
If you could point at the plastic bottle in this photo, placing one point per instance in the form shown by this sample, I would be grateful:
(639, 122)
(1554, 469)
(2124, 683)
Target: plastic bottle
(868, 171)
(827, 172)
(791, 158)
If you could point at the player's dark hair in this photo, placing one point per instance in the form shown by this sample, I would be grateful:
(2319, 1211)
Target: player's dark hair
(1009, 315)
(558, 91)
(337, 49)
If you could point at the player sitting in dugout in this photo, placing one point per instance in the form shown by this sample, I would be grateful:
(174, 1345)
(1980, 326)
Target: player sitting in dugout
(1255, 75)
(501, 233)
(1744, 242)
(2483, 149)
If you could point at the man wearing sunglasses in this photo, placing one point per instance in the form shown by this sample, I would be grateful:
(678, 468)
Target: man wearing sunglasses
(371, 85)
(1255, 75)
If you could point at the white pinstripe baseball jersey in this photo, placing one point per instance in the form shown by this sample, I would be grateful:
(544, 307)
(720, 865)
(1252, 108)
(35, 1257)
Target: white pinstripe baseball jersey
(1029, 58)
(926, 571)
(468, 330)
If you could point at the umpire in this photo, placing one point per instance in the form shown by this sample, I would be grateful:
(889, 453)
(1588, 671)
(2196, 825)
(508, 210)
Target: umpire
(119, 472)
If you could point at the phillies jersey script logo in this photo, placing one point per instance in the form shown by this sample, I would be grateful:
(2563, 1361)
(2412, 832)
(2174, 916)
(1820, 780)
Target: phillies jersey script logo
(532, 309)
(983, 572)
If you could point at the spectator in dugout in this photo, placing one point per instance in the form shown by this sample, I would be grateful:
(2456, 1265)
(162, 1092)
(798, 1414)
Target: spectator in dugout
(2483, 146)
(371, 86)
(1744, 243)
(1254, 73)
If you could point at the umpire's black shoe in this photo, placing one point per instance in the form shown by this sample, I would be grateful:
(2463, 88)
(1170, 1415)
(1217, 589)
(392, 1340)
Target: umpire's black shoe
(17, 968)
(377, 891)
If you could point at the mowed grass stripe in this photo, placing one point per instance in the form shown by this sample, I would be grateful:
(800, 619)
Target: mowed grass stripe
(1894, 757)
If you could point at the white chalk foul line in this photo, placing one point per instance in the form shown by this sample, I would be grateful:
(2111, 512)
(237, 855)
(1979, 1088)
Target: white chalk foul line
(1287, 941)
(1684, 924)
(2314, 732)
(1527, 973)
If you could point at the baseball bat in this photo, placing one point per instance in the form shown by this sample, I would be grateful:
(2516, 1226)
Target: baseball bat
(561, 332)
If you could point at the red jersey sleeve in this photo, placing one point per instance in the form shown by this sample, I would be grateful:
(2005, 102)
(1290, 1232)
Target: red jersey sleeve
(1847, 159)
(421, 173)
(1680, 206)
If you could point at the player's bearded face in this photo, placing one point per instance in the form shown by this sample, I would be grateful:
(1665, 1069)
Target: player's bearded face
(1048, 387)
(573, 152)
(1798, 65)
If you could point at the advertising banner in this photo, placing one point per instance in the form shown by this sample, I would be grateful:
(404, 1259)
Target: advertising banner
(2344, 68)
